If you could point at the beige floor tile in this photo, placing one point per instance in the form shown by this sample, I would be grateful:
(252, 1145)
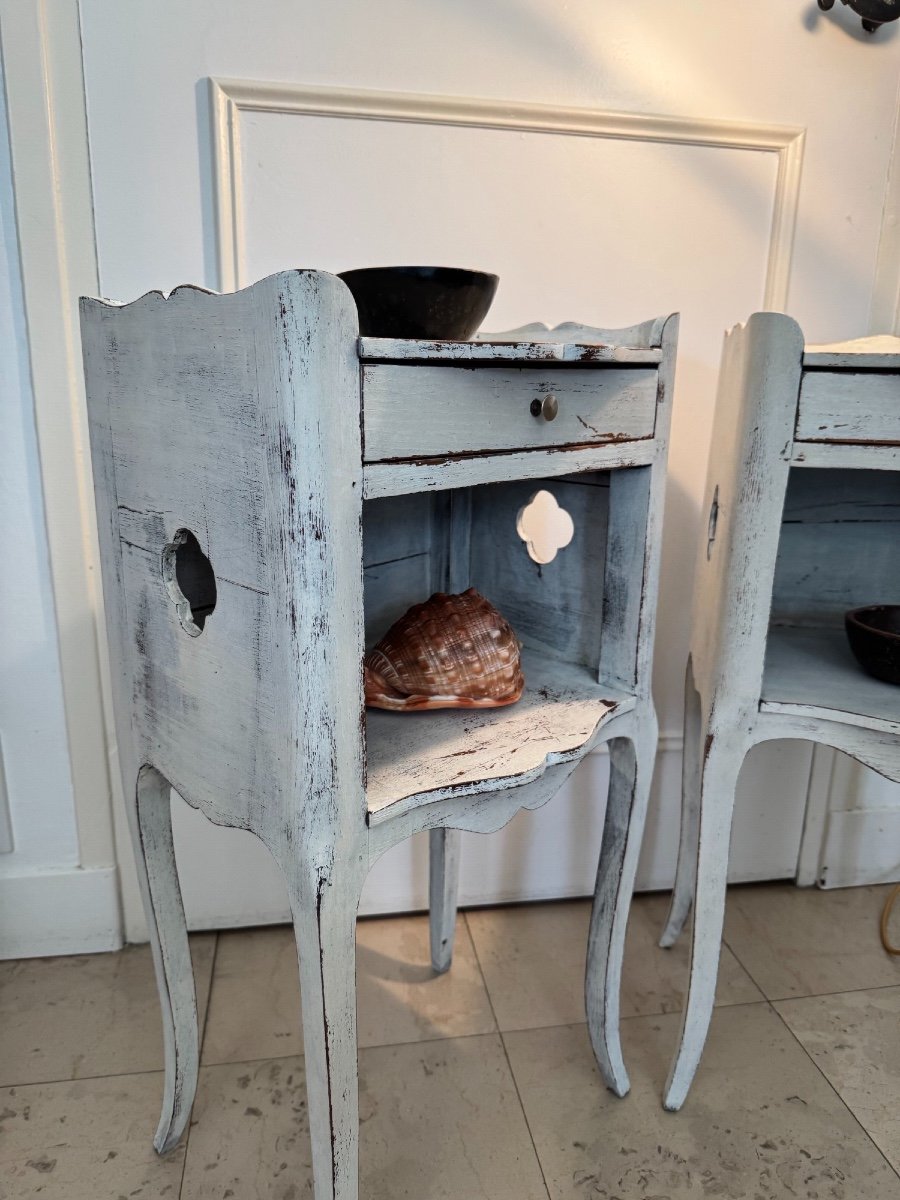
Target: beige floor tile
(89, 1139)
(254, 1010)
(254, 1002)
(86, 1015)
(533, 961)
(438, 1119)
(854, 1039)
(761, 1123)
(400, 997)
(805, 941)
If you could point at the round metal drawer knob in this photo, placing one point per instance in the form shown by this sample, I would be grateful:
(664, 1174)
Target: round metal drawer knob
(546, 407)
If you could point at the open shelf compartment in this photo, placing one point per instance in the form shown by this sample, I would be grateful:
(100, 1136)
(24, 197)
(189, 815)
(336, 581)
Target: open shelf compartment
(839, 549)
(414, 757)
(812, 672)
(414, 545)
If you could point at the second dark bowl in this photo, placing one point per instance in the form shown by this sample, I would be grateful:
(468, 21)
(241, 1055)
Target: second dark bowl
(874, 636)
(433, 303)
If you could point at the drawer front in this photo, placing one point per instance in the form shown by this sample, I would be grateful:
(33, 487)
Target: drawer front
(848, 406)
(414, 412)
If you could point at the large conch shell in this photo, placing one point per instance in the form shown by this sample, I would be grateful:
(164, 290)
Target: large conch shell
(450, 652)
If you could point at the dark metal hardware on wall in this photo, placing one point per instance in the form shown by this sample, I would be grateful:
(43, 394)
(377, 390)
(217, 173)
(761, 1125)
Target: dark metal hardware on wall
(874, 13)
(713, 521)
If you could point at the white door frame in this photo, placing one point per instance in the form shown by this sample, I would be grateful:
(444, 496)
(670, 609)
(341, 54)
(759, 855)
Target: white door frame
(42, 64)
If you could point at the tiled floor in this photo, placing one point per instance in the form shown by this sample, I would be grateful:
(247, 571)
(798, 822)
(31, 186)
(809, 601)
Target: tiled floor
(479, 1085)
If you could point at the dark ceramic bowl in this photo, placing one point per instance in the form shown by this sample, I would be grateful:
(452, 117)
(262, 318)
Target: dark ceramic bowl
(874, 635)
(434, 303)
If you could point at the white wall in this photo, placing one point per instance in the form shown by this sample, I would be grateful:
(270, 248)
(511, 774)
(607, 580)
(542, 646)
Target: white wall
(39, 876)
(318, 192)
(146, 67)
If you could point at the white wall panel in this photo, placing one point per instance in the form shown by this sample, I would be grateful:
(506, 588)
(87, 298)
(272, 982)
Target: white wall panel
(578, 228)
(586, 228)
(32, 724)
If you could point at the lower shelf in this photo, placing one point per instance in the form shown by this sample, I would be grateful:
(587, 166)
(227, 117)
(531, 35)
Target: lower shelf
(422, 757)
(812, 673)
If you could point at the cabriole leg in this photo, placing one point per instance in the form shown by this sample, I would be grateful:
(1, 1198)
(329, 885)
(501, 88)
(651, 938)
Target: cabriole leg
(325, 929)
(443, 890)
(151, 823)
(720, 771)
(630, 774)
(692, 757)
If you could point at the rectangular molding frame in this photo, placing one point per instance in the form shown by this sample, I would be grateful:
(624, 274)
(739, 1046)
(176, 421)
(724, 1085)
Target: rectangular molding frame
(230, 97)
(46, 112)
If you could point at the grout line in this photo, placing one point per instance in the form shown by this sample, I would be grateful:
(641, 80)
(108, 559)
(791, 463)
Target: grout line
(209, 996)
(841, 1099)
(204, 1026)
(487, 990)
(512, 1074)
(805, 995)
(31, 1083)
(677, 1012)
(298, 1053)
(878, 987)
(740, 962)
(187, 1139)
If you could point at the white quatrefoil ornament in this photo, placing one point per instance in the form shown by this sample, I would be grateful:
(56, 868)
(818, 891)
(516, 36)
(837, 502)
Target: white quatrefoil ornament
(544, 527)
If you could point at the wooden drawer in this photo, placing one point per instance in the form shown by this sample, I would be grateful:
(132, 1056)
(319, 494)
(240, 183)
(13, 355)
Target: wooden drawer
(849, 406)
(414, 412)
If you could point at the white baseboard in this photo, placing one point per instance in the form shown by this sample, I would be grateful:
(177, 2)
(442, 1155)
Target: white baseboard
(230, 880)
(862, 846)
(70, 911)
